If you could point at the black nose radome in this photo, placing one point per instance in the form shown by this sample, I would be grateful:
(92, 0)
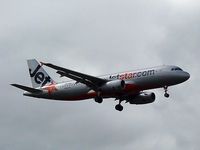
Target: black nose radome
(185, 76)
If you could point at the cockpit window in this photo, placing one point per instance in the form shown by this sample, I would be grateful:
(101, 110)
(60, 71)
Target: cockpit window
(177, 68)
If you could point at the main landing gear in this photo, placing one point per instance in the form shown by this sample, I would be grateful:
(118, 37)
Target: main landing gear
(119, 107)
(166, 90)
(98, 99)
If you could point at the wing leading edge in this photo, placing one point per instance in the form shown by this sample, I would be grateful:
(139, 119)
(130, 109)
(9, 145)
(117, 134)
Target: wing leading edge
(91, 81)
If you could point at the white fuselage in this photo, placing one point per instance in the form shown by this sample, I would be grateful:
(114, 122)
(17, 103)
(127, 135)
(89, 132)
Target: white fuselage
(135, 81)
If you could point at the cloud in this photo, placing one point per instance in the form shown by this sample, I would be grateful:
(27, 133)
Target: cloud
(97, 38)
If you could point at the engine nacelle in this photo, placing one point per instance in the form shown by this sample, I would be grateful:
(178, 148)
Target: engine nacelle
(143, 98)
(113, 86)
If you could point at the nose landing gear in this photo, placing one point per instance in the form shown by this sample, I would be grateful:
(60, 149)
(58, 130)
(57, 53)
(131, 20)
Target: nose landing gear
(166, 90)
(166, 95)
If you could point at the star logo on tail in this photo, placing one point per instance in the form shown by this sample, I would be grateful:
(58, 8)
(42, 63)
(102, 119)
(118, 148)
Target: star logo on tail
(51, 88)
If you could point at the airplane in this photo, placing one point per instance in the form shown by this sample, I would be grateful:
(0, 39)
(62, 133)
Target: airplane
(129, 86)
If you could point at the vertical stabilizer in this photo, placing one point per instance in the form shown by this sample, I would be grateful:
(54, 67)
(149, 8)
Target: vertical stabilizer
(39, 76)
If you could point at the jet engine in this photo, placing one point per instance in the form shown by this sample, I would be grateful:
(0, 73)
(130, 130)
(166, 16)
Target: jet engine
(113, 86)
(143, 98)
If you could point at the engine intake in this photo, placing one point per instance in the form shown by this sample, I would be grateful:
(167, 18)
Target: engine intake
(113, 86)
(143, 98)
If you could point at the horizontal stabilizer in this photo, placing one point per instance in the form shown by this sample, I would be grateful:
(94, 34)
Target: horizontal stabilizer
(28, 89)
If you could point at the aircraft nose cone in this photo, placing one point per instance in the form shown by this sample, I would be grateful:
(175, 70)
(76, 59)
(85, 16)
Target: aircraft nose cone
(186, 76)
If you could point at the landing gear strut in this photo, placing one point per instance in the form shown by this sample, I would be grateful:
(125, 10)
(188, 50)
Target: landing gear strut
(166, 89)
(119, 107)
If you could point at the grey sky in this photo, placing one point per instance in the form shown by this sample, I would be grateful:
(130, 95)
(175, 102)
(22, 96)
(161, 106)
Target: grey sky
(98, 37)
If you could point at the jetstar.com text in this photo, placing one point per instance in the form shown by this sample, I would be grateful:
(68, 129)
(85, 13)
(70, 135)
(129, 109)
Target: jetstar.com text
(132, 75)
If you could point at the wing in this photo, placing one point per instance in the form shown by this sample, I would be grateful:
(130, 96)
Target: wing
(91, 81)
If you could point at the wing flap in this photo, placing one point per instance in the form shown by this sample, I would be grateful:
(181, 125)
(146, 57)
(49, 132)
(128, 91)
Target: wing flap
(78, 79)
(91, 81)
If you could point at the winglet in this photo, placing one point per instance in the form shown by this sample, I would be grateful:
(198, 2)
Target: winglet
(42, 63)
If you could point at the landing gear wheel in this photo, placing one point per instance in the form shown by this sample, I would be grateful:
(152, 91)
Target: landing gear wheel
(166, 95)
(98, 99)
(119, 107)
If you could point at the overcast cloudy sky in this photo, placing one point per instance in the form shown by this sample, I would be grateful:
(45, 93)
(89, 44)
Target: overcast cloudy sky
(98, 37)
